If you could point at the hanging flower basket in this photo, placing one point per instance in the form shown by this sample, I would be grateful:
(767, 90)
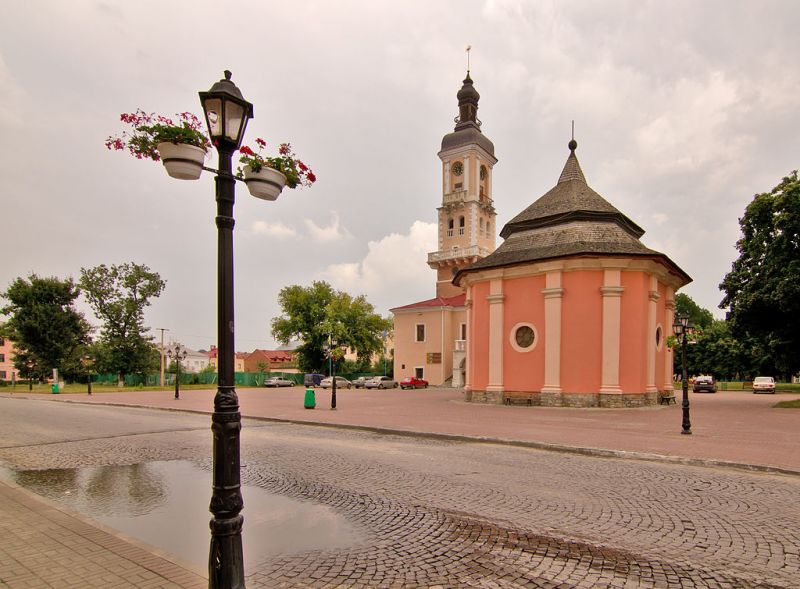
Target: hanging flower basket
(265, 184)
(182, 161)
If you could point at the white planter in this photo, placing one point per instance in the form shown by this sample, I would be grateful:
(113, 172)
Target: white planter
(266, 183)
(182, 161)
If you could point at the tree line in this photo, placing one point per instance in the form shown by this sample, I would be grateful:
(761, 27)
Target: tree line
(49, 332)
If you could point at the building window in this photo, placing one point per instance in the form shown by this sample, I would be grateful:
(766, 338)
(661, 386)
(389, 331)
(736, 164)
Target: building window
(523, 337)
(659, 338)
(420, 335)
(463, 331)
(461, 225)
(2, 357)
(481, 226)
(2, 341)
(488, 231)
(449, 228)
(419, 372)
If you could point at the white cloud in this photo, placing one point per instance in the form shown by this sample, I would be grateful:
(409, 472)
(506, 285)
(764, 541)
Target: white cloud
(393, 272)
(272, 229)
(333, 232)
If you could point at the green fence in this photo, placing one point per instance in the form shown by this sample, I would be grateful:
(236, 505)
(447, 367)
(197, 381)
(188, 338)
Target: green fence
(246, 379)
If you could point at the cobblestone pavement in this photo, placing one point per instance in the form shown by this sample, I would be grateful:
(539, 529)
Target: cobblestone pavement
(460, 514)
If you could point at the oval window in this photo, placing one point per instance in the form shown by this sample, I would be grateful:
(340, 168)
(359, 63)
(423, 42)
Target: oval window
(524, 337)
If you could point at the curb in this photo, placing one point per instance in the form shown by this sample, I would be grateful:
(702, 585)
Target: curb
(546, 446)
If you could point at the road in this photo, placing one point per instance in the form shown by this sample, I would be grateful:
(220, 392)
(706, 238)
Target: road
(458, 514)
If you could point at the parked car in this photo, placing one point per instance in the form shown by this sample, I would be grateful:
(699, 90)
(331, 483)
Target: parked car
(361, 382)
(764, 384)
(412, 382)
(704, 384)
(277, 381)
(381, 382)
(312, 380)
(341, 383)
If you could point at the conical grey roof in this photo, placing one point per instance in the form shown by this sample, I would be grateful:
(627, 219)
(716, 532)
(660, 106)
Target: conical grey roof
(569, 220)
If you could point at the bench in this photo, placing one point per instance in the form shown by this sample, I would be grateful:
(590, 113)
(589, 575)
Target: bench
(666, 397)
(517, 398)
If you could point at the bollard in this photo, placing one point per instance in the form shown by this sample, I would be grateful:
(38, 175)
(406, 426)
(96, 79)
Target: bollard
(310, 400)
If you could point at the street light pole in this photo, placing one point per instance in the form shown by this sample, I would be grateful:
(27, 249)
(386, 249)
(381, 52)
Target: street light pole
(227, 114)
(87, 362)
(177, 353)
(681, 327)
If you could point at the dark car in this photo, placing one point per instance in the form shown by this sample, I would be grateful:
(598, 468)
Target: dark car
(312, 380)
(412, 382)
(704, 384)
(277, 381)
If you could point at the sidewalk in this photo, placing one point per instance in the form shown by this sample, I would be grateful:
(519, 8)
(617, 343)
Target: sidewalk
(45, 546)
(729, 427)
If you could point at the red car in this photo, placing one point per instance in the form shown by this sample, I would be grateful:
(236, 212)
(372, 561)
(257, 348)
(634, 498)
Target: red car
(412, 382)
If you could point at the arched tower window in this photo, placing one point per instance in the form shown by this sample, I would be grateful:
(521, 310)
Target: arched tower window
(461, 225)
(450, 228)
(488, 229)
(481, 228)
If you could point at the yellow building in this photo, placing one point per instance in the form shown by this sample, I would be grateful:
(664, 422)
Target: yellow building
(430, 335)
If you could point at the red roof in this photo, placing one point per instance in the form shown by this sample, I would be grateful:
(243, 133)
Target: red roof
(456, 301)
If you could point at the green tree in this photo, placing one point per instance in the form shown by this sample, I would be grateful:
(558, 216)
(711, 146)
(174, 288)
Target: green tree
(118, 296)
(46, 329)
(762, 290)
(312, 314)
(698, 316)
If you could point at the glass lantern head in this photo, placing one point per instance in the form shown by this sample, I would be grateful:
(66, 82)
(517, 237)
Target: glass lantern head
(227, 112)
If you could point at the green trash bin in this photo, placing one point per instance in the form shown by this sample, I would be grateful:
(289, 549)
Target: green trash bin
(54, 388)
(310, 400)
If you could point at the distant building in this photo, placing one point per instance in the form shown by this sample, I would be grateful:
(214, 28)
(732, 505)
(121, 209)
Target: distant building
(271, 361)
(238, 359)
(7, 370)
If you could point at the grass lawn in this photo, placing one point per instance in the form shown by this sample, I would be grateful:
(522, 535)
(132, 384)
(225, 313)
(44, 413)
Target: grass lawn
(80, 388)
(788, 404)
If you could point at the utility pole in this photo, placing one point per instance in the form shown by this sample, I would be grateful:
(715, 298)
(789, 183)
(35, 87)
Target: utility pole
(162, 330)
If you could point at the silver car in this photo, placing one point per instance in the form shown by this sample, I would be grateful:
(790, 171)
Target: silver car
(277, 381)
(341, 383)
(381, 382)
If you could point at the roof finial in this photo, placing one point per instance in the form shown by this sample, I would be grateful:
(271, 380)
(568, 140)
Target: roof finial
(228, 74)
(468, 49)
(572, 143)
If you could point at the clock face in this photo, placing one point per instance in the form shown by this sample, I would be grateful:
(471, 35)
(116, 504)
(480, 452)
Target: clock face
(483, 172)
(457, 169)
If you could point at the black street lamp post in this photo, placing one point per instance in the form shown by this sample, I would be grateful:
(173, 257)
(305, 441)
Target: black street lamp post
(87, 362)
(177, 353)
(29, 366)
(332, 355)
(227, 114)
(681, 328)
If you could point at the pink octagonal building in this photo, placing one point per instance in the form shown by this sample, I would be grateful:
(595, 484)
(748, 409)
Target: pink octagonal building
(572, 309)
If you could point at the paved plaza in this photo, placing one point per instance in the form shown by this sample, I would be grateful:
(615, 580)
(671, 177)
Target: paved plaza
(434, 511)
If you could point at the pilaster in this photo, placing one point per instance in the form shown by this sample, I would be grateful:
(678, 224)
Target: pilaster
(669, 319)
(651, 347)
(553, 293)
(612, 305)
(495, 298)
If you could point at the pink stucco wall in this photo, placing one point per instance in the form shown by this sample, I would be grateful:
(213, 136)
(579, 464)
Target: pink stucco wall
(634, 332)
(523, 371)
(478, 362)
(581, 331)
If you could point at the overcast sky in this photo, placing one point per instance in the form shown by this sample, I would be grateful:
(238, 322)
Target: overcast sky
(683, 111)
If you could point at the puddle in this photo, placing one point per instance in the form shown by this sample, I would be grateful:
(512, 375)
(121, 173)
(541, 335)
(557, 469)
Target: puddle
(165, 504)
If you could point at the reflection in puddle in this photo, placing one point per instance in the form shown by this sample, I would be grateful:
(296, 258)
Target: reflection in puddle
(165, 504)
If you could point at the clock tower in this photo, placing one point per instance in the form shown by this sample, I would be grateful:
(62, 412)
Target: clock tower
(466, 215)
